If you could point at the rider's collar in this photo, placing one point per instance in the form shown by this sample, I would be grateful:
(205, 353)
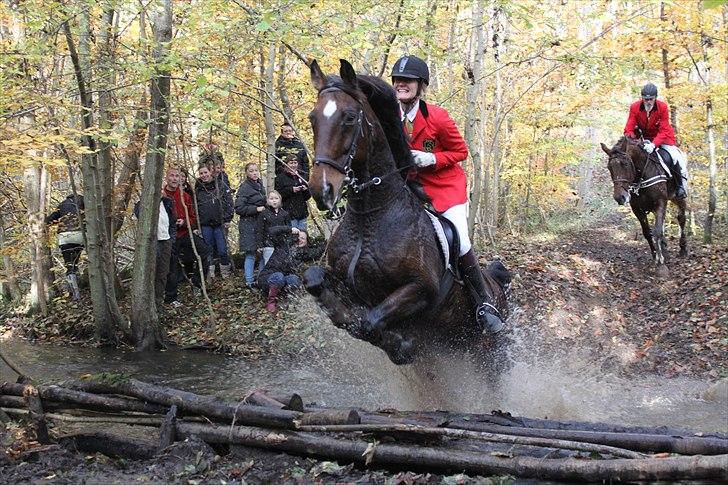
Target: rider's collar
(412, 113)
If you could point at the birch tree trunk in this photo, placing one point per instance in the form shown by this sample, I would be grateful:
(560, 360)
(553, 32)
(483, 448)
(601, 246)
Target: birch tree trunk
(36, 184)
(282, 90)
(472, 113)
(145, 329)
(267, 69)
(666, 70)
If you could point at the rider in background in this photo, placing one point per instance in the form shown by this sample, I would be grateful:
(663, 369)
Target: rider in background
(437, 149)
(652, 116)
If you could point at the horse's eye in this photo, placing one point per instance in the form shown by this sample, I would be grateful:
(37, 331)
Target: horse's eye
(349, 118)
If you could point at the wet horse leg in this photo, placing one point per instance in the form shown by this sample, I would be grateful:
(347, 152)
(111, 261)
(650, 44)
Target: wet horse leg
(658, 233)
(681, 208)
(331, 293)
(405, 302)
(646, 231)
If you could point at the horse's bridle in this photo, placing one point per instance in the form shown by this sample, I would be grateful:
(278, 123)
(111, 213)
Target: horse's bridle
(630, 183)
(349, 180)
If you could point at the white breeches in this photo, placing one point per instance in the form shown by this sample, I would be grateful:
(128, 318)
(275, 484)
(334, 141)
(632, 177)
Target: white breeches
(678, 156)
(458, 215)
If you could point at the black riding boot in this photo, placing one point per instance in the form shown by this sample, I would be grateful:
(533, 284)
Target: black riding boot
(679, 187)
(486, 315)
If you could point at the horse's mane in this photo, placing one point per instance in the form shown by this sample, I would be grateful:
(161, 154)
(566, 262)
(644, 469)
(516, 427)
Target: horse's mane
(382, 99)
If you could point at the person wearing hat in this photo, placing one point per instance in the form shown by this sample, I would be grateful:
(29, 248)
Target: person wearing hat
(652, 117)
(438, 150)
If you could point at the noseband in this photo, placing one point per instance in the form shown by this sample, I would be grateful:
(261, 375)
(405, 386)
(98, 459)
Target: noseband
(634, 186)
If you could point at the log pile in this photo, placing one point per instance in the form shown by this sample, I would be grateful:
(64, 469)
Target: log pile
(494, 444)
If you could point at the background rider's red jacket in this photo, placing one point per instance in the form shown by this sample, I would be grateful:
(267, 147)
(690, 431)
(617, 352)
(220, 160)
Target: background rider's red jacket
(180, 199)
(656, 127)
(445, 182)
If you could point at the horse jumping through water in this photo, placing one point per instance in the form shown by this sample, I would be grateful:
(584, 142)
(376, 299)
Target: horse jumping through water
(641, 180)
(386, 282)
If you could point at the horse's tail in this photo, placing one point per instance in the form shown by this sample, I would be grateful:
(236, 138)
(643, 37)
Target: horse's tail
(500, 274)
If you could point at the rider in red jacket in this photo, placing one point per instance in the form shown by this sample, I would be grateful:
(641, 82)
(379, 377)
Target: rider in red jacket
(438, 148)
(653, 117)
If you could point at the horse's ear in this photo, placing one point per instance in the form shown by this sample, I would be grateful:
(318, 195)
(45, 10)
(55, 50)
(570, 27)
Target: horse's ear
(606, 150)
(347, 73)
(318, 78)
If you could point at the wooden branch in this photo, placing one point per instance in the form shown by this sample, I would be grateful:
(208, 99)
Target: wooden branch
(14, 367)
(684, 445)
(210, 407)
(470, 462)
(475, 435)
(330, 417)
(135, 420)
(84, 399)
(167, 432)
(35, 410)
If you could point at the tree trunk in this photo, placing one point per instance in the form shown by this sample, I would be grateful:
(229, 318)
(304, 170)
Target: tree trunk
(145, 329)
(35, 184)
(282, 90)
(472, 113)
(10, 284)
(666, 70)
(107, 317)
(267, 69)
(713, 163)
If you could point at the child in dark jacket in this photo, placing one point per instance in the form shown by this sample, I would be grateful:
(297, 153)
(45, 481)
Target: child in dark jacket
(281, 272)
(272, 216)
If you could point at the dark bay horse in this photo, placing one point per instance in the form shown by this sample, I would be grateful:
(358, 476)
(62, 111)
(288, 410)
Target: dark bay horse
(385, 268)
(641, 181)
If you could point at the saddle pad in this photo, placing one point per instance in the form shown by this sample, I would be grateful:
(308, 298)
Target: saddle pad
(440, 233)
(663, 157)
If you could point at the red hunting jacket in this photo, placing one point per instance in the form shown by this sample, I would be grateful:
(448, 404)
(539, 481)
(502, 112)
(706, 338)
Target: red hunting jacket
(180, 199)
(434, 131)
(655, 125)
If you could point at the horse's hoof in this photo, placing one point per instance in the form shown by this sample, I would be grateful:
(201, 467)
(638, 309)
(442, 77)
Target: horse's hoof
(313, 280)
(405, 353)
(495, 324)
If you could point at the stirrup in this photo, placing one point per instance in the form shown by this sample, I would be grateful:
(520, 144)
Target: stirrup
(489, 318)
(681, 193)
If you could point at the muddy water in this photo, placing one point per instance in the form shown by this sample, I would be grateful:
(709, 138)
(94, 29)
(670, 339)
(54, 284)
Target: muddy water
(338, 370)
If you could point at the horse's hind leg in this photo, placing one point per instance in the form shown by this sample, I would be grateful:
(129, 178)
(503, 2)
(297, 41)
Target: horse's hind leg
(330, 294)
(681, 207)
(646, 231)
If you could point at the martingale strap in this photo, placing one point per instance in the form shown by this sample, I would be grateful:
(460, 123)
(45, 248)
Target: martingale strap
(643, 184)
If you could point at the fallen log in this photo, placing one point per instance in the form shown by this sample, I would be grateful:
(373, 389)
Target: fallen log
(192, 403)
(330, 417)
(37, 416)
(474, 463)
(683, 445)
(135, 420)
(475, 435)
(167, 432)
(84, 399)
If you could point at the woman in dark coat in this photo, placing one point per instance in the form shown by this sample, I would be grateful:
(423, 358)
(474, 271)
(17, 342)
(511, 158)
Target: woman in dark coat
(249, 202)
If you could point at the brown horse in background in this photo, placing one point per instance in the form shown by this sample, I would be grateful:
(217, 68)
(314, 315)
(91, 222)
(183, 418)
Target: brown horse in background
(640, 180)
(386, 282)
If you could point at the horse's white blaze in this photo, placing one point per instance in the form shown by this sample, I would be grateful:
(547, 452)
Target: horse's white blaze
(330, 108)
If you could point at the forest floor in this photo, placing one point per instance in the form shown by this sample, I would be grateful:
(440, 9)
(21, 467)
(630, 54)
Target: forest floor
(593, 287)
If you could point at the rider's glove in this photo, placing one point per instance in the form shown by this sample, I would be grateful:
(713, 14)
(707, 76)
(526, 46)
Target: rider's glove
(423, 159)
(649, 147)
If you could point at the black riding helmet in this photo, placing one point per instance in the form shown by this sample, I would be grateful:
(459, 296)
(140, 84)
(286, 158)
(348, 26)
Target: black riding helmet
(649, 91)
(411, 67)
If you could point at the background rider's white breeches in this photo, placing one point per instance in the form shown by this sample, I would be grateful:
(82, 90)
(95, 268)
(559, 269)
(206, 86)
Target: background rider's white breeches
(458, 215)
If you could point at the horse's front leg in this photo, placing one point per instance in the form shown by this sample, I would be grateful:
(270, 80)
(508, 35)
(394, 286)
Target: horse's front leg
(658, 234)
(646, 231)
(405, 302)
(681, 208)
(330, 293)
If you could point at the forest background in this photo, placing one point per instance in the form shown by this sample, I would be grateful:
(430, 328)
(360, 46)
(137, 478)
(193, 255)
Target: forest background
(98, 96)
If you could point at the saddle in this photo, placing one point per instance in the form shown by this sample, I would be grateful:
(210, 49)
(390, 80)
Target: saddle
(447, 237)
(663, 158)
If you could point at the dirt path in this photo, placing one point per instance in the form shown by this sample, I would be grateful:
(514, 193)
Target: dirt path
(597, 288)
